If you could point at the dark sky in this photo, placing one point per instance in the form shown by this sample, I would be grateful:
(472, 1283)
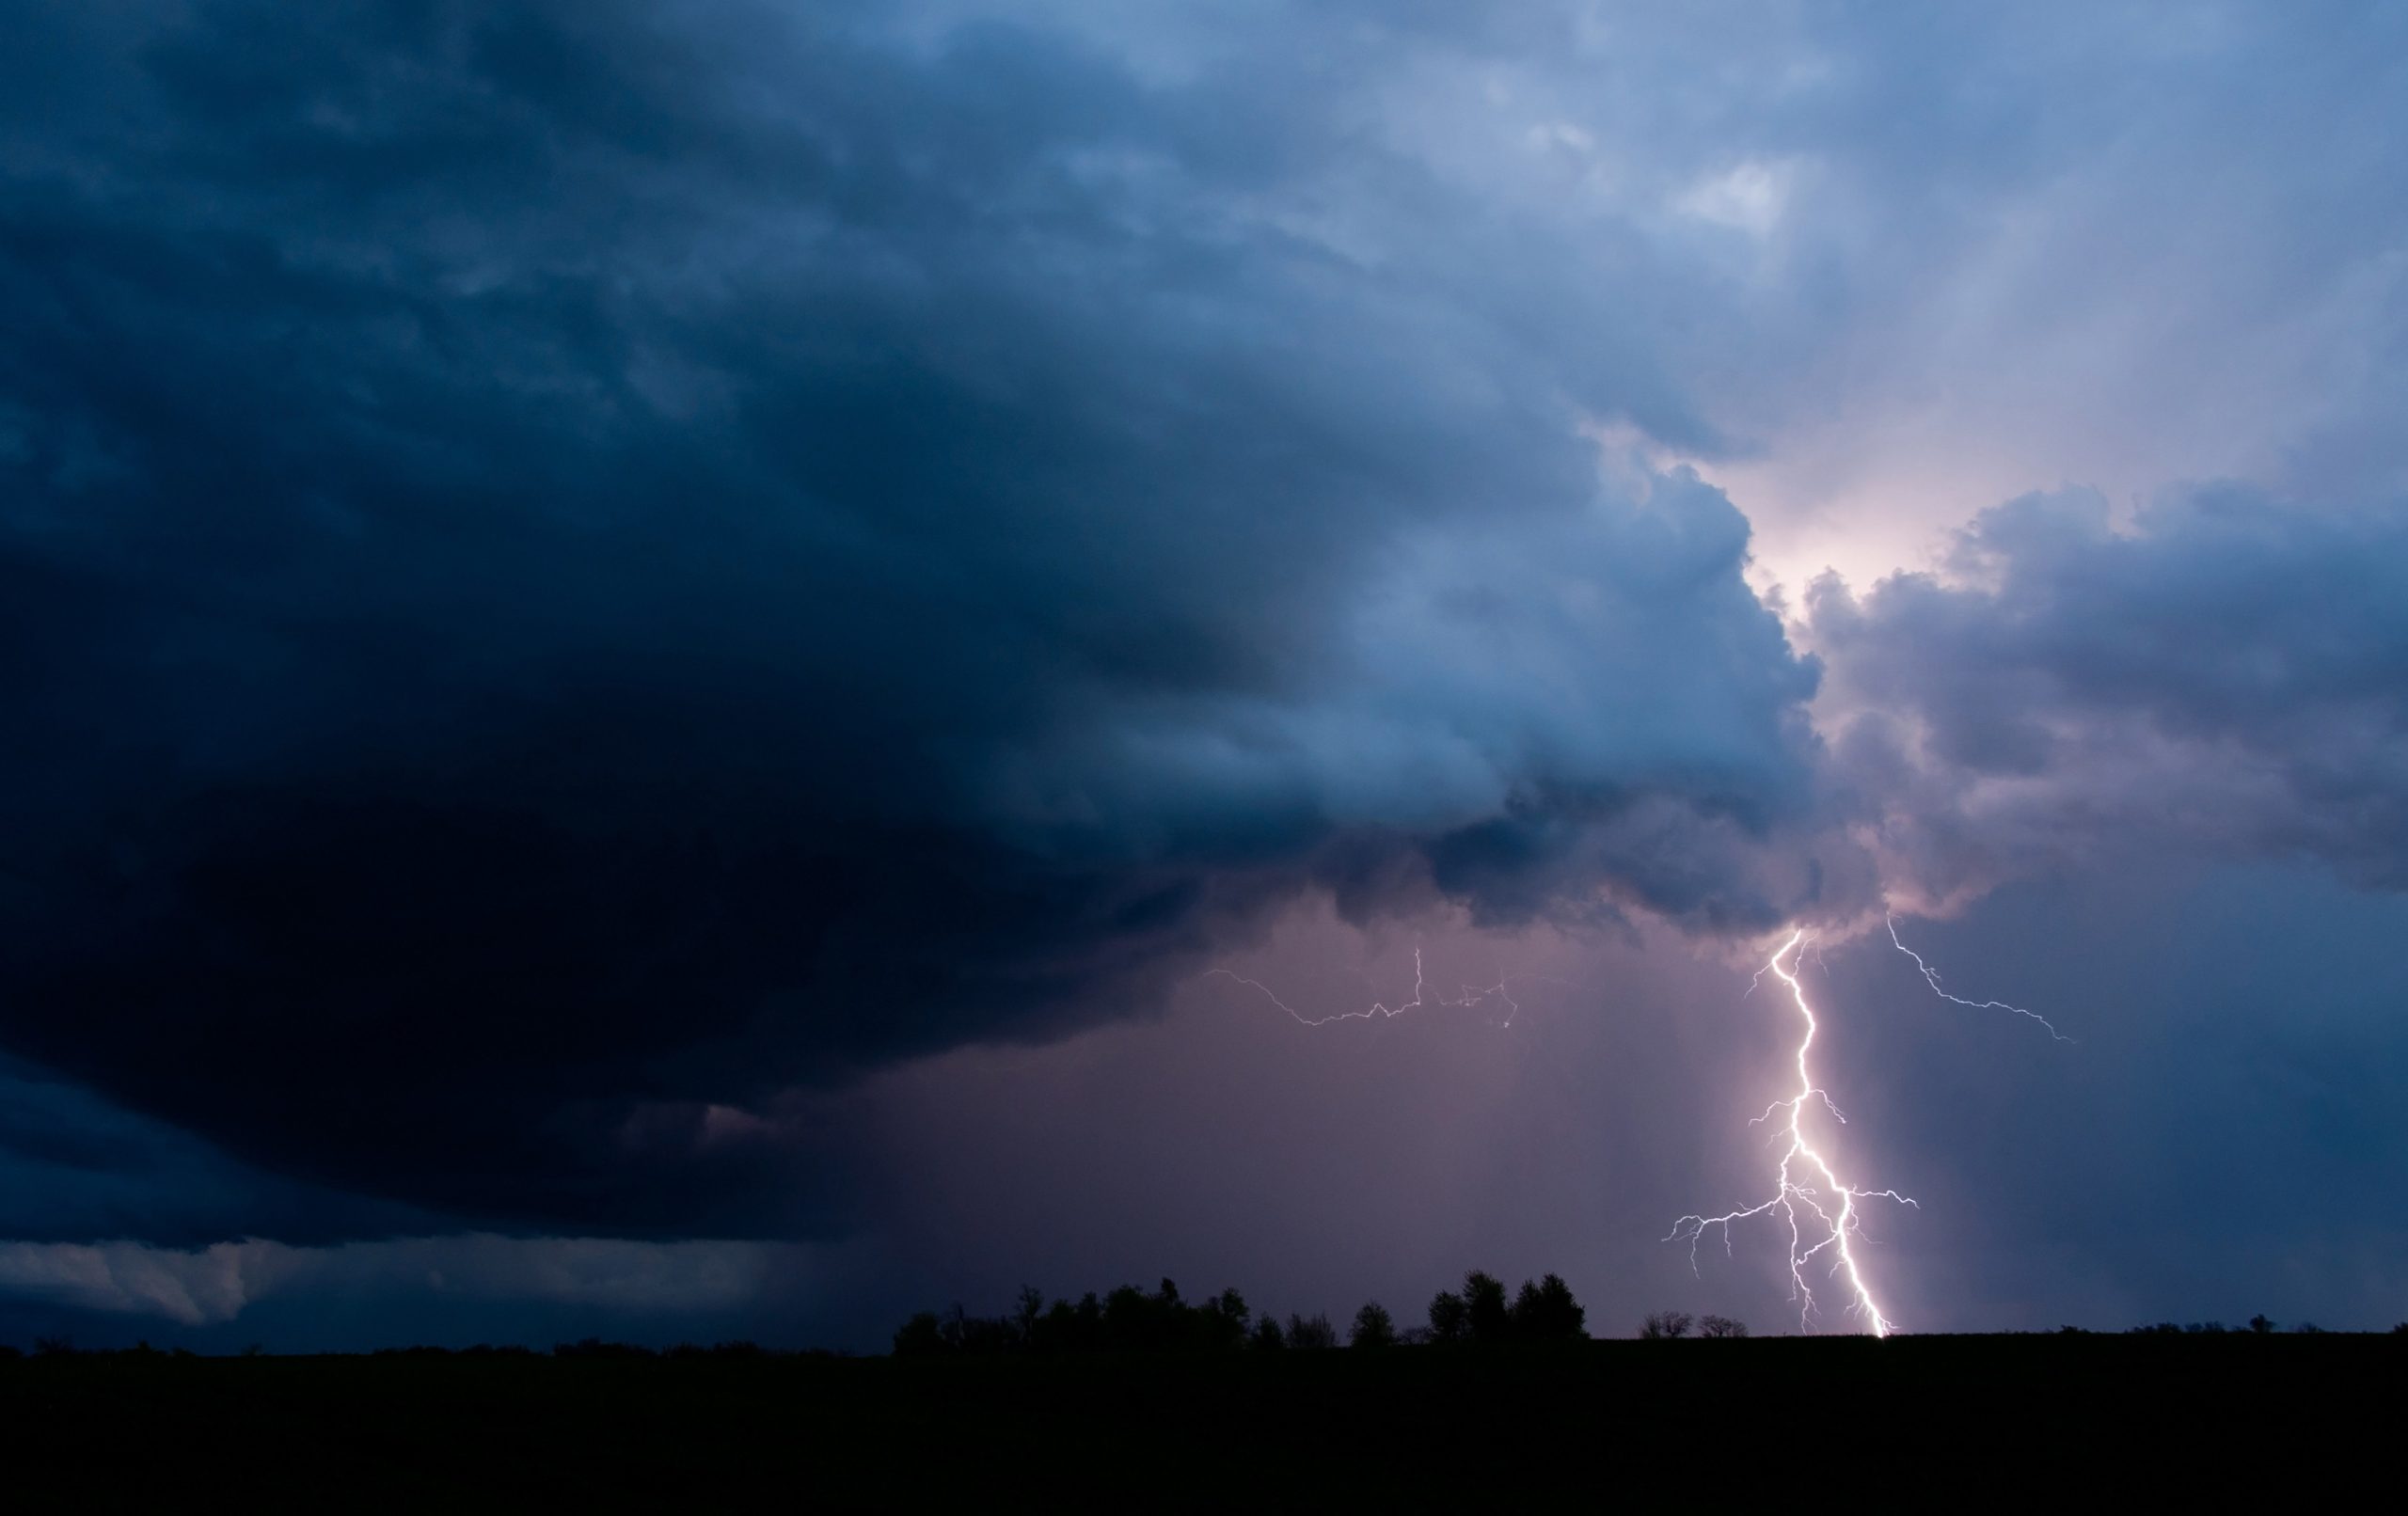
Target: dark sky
(649, 650)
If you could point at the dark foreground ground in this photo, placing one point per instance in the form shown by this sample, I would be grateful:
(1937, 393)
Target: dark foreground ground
(1927, 1423)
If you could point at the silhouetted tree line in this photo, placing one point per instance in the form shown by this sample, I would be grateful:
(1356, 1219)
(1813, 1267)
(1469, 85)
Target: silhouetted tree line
(1663, 1325)
(1540, 1312)
(597, 1348)
(1130, 1320)
(2258, 1326)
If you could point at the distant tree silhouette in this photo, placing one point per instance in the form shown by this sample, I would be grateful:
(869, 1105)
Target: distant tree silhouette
(965, 1333)
(1311, 1332)
(741, 1349)
(1546, 1311)
(1490, 1318)
(1067, 1328)
(1127, 1320)
(1133, 1321)
(919, 1338)
(2401, 1331)
(1222, 1319)
(1661, 1324)
(1524, 1307)
(2260, 1325)
(1373, 1328)
(1450, 1317)
(1721, 1326)
(596, 1348)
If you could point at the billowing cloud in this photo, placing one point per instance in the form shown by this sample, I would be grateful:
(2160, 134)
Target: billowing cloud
(567, 570)
(2219, 679)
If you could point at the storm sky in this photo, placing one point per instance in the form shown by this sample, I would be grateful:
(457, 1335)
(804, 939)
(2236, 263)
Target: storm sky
(649, 649)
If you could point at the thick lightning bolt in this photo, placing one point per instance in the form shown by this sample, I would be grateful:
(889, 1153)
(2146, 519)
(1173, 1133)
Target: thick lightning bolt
(1472, 995)
(1931, 977)
(1806, 1183)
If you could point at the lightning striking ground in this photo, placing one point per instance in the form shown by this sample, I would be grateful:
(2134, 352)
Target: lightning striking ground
(1819, 1208)
(1472, 995)
(1834, 1228)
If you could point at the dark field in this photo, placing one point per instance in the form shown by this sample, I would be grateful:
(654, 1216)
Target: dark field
(1930, 1422)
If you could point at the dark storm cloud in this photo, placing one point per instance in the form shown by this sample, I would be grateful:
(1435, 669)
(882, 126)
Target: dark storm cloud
(2222, 679)
(74, 1167)
(565, 569)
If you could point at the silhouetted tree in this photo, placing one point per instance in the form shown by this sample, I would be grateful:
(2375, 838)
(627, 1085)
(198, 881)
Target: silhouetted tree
(1450, 1317)
(1267, 1334)
(1490, 1318)
(1665, 1324)
(1311, 1332)
(1526, 1307)
(1374, 1327)
(1222, 1319)
(1133, 1321)
(1030, 1310)
(919, 1338)
(1721, 1326)
(1067, 1328)
(963, 1332)
(1546, 1311)
(2260, 1325)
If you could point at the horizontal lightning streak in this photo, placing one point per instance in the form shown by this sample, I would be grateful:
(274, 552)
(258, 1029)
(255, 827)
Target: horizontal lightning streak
(1931, 977)
(1473, 995)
